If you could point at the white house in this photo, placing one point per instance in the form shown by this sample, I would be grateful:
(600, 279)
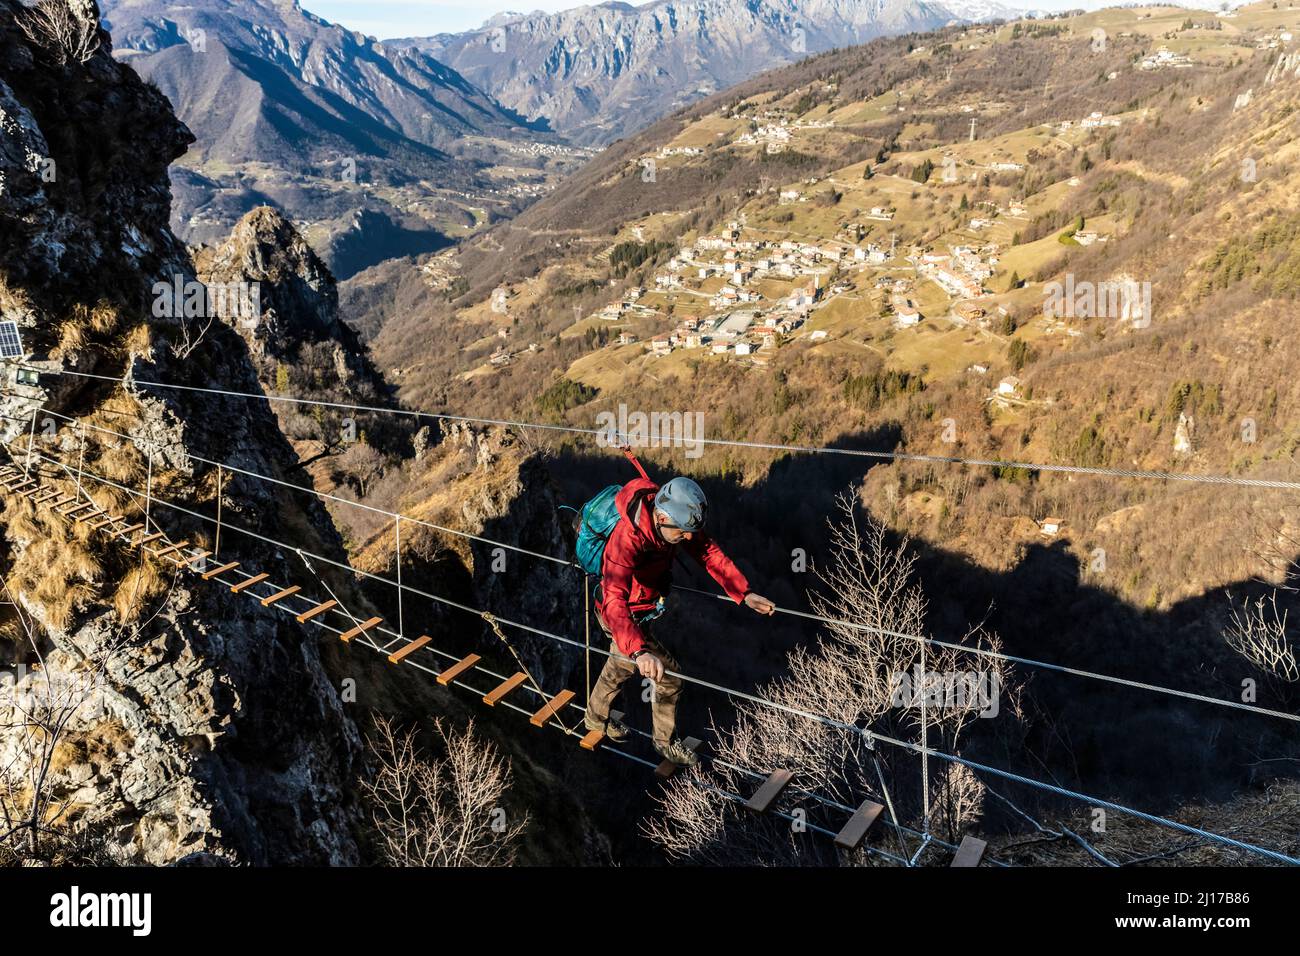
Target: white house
(908, 316)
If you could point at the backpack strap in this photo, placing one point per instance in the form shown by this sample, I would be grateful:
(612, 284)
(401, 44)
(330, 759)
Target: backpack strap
(627, 452)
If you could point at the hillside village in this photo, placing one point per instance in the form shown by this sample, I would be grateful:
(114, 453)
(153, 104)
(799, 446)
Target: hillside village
(931, 257)
(907, 246)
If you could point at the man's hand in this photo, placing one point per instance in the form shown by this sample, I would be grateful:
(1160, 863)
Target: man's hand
(756, 602)
(650, 666)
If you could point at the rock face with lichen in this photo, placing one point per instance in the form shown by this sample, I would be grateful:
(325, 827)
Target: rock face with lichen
(214, 733)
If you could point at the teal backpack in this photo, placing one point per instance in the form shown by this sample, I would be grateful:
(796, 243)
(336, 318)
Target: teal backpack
(596, 522)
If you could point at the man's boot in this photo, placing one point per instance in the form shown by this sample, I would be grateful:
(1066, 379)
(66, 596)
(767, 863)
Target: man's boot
(677, 753)
(615, 730)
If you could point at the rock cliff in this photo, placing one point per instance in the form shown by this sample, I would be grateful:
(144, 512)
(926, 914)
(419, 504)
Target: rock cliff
(216, 733)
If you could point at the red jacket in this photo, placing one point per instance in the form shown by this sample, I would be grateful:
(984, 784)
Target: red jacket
(636, 568)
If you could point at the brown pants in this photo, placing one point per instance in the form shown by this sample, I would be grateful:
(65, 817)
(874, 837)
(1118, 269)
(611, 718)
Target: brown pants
(663, 694)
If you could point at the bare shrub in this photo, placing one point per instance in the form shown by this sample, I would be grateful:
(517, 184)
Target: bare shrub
(857, 674)
(441, 812)
(71, 34)
(363, 464)
(1258, 632)
(41, 734)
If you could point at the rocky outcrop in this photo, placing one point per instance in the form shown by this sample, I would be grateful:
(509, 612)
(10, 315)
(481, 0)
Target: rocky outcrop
(298, 297)
(218, 734)
(299, 344)
(520, 508)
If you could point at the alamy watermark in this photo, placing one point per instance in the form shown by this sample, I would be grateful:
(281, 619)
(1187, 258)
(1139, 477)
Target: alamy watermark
(946, 690)
(651, 430)
(185, 298)
(1122, 298)
(36, 690)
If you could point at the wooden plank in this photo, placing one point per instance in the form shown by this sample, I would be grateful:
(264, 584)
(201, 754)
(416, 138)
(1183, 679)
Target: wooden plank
(770, 789)
(190, 559)
(175, 547)
(455, 670)
(553, 706)
(360, 629)
(68, 512)
(248, 583)
(100, 524)
(280, 595)
(306, 616)
(503, 688)
(147, 538)
(46, 496)
(129, 531)
(854, 832)
(592, 740)
(209, 575)
(969, 852)
(399, 655)
(63, 500)
(667, 768)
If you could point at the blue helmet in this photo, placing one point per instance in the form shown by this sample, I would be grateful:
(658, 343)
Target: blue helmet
(683, 501)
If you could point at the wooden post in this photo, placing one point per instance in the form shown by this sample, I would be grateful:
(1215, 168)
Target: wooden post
(148, 490)
(31, 445)
(248, 583)
(855, 831)
(455, 670)
(397, 534)
(216, 547)
(771, 788)
(400, 655)
(306, 616)
(360, 629)
(970, 852)
(551, 708)
(505, 687)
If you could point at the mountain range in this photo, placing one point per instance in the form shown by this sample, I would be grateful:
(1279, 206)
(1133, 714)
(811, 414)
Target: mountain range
(388, 149)
(328, 124)
(598, 73)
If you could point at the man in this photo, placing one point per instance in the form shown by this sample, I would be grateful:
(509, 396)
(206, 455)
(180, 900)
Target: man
(635, 573)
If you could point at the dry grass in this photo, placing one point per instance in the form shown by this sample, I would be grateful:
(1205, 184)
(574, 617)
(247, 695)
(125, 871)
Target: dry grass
(103, 318)
(20, 517)
(140, 585)
(118, 461)
(139, 341)
(72, 337)
(96, 746)
(58, 570)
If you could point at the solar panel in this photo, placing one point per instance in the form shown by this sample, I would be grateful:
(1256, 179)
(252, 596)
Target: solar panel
(11, 345)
